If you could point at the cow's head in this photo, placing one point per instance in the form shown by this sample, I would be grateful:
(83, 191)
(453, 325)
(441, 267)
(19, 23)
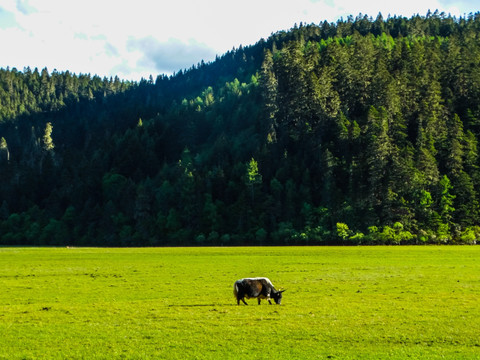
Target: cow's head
(277, 296)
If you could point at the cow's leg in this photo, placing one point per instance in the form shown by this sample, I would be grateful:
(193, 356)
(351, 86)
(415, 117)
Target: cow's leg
(258, 301)
(243, 301)
(269, 301)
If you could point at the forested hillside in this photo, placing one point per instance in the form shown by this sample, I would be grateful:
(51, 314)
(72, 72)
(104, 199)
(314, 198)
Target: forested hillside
(363, 131)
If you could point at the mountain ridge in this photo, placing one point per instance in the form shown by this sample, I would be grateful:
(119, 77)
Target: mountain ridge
(359, 132)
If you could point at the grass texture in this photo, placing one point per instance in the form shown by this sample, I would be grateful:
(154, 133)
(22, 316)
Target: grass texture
(177, 303)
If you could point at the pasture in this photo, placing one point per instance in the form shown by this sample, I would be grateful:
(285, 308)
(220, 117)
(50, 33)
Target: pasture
(177, 303)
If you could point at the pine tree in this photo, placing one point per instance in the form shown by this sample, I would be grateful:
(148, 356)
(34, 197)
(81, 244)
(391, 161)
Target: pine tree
(446, 209)
(378, 158)
(269, 88)
(5, 154)
(48, 144)
(426, 163)
(253, 177)
(454, 161)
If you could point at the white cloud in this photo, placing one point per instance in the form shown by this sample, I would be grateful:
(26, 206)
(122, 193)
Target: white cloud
(25, 8)
(7, 19)
(143, 37)
(172, 54)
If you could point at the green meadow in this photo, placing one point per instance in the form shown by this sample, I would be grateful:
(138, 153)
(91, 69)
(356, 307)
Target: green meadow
(177, 303)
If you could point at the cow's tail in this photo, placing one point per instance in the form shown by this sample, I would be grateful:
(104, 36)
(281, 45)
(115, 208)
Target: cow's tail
(235, 290)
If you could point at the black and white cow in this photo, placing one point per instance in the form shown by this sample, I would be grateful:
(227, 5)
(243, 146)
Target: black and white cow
(260, 288)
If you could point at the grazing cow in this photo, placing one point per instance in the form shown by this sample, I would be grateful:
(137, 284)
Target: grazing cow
(260, 288)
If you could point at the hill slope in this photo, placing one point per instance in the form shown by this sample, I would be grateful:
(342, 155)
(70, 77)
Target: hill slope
(363, 131)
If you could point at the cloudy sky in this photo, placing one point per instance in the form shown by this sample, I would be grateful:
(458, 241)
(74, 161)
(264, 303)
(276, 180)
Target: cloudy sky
(136, 38)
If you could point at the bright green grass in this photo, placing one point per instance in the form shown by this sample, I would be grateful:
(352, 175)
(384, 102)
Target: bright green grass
(177, 303)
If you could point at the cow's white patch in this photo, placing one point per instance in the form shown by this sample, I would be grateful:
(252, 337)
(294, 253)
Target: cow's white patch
(261, 278)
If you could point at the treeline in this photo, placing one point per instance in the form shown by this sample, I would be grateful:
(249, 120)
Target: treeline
(360, 132)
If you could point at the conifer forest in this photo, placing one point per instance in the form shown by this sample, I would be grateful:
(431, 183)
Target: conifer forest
(363, 131)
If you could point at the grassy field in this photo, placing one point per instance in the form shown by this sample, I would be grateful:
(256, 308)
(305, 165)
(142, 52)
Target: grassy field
(177, 303)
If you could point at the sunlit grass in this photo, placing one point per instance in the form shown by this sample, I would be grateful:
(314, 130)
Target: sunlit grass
(177, 303)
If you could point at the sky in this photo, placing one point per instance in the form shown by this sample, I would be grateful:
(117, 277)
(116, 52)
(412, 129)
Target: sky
(138, 38)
